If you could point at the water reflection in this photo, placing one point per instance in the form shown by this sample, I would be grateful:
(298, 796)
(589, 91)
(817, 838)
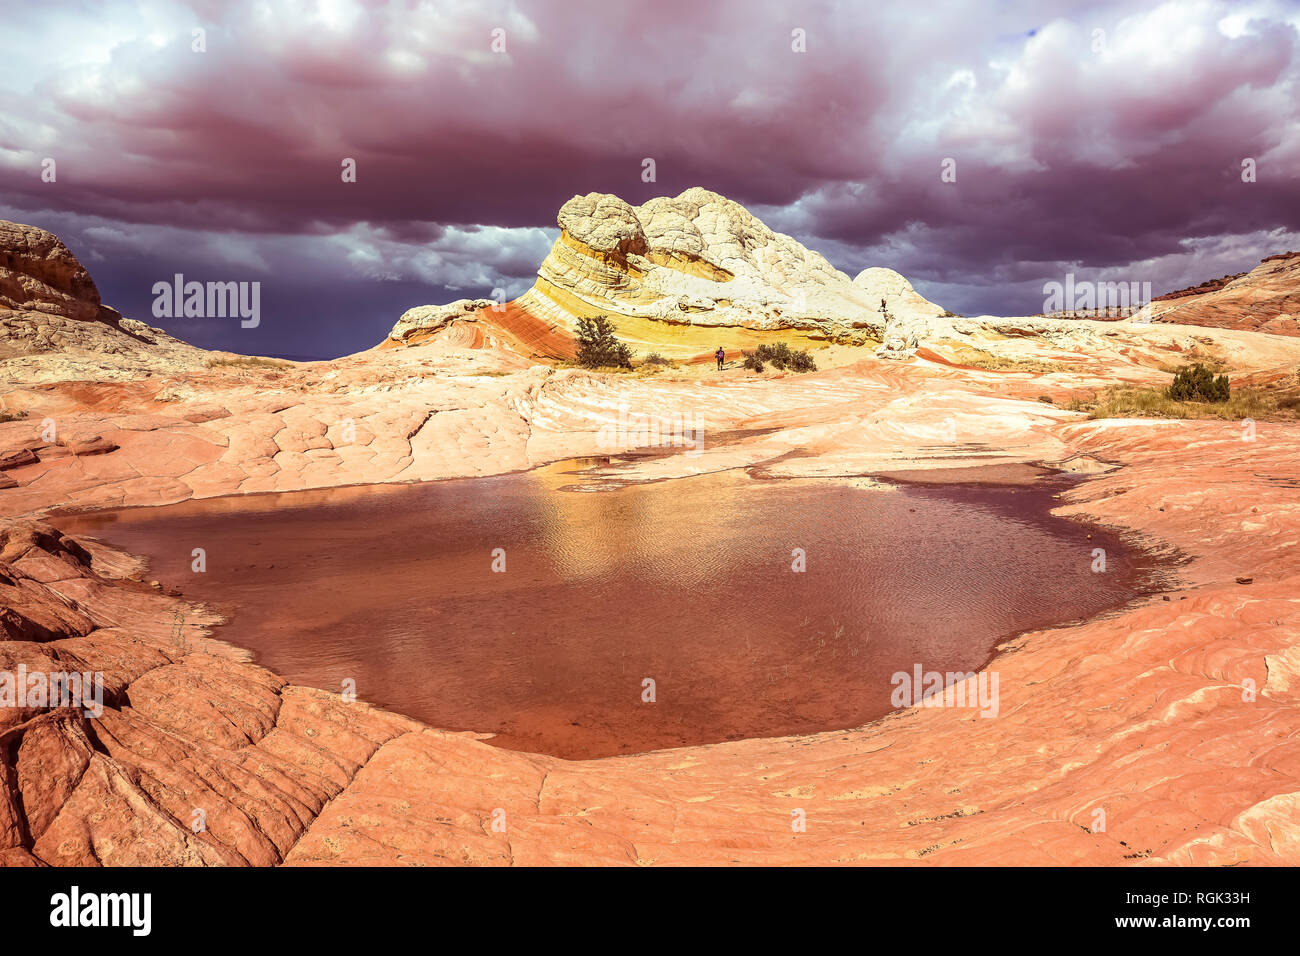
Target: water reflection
(686, 582)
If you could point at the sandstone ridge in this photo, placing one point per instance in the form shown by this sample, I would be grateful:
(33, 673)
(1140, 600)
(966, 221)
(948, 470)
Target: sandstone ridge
(694, 259)
(1265, 299)
(49, 305)
(682, 275)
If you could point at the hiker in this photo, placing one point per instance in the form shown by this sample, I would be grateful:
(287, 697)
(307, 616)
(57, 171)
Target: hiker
(719, 355)
(882, 305)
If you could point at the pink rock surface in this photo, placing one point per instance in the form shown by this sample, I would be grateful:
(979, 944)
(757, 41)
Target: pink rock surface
(201, 758)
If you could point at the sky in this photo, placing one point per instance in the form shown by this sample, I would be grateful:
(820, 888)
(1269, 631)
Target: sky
(1104, 139)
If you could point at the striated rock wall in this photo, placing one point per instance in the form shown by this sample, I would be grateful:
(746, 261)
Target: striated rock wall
(38, 273)
(696, 259)
(1266, 299)
(424, 320)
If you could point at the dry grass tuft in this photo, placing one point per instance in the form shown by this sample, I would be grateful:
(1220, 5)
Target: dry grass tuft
(979, 358)
(247, 361)
(1120, 401)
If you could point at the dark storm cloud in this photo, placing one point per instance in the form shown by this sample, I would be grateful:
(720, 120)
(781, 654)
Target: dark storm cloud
(1103, 137)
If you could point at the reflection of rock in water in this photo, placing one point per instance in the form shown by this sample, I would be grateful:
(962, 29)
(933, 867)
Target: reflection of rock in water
(687, 582)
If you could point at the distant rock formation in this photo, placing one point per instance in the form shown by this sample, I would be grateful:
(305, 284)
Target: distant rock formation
(1266, 299)
(49, 304)
(480, 323)
(699, 260)
(1210, 285)
(903, 301)
(39, 274)
(424, 320)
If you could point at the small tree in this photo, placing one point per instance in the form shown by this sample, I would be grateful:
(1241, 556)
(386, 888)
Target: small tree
(597, 346)
(1196, 383)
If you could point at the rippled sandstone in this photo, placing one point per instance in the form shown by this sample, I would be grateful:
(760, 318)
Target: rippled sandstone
(1265, 299)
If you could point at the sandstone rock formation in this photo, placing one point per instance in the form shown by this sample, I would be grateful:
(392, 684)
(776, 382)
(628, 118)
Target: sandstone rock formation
(39, 274)
(698, 259)
(478, 324)
(423, 320)
(899, 296)
(907, 313)
(901, 338)
(680, 275)
(49, 305)
(190, 732)
(1266, 299)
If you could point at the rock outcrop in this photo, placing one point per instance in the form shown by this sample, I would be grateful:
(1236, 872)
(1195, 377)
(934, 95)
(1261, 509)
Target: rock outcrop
(901, 338)
(697, 259)
(39, 274)
(49, 305)
(480, 324)
(680, 275)
(188, 732)
(423, 321)
(900, 298)
(1266, 299)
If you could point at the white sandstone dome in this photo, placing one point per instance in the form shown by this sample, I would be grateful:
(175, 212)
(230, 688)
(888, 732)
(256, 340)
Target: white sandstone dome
(900, 298)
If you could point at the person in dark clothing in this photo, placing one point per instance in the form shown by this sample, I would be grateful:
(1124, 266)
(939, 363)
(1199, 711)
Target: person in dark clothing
(719, 355)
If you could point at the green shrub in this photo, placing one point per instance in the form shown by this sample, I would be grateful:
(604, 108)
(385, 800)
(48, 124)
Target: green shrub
(1196, 383)
(780, 356)
(597, 346)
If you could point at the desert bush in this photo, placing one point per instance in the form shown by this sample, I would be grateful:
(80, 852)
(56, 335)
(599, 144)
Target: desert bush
(654, 358)
(753, 362)
(598, 347)
(1196, 383)
(8, 416)
(1045, 399)
(781, 356)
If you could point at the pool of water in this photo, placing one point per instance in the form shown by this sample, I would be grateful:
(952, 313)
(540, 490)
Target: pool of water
(686, 583)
